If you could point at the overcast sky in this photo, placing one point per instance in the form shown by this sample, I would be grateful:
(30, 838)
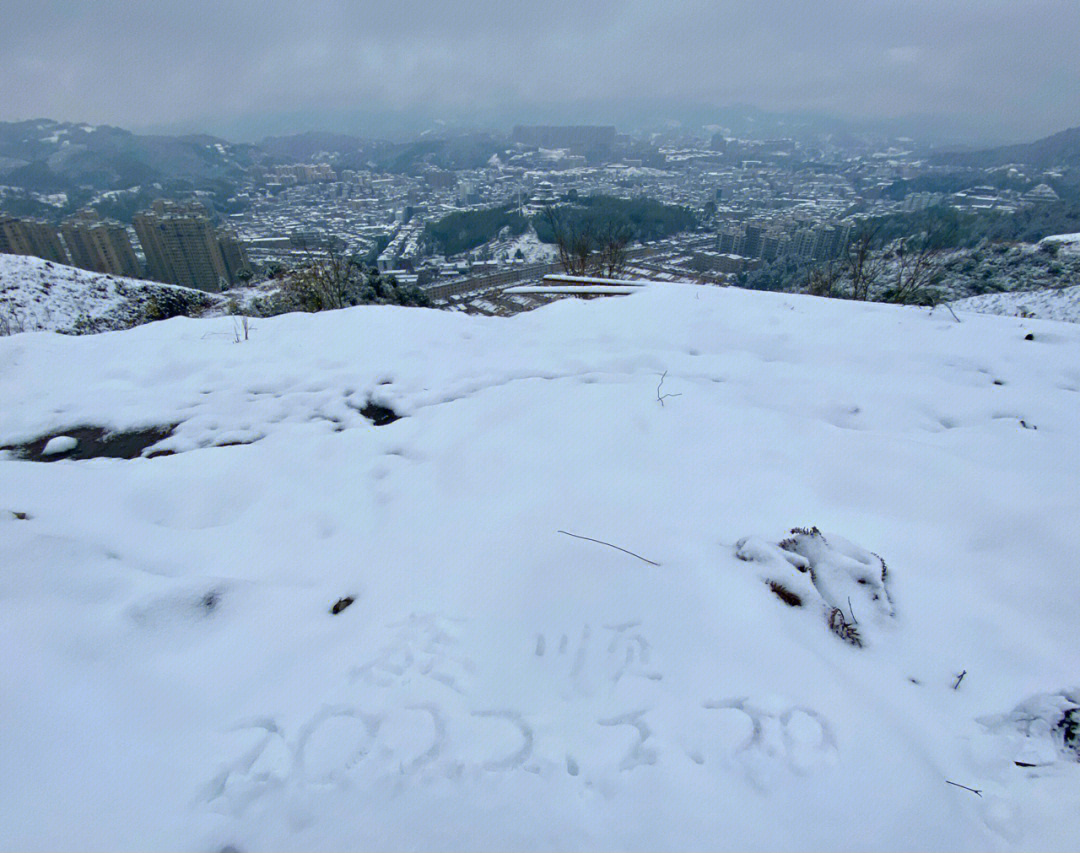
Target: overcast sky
(987, 69)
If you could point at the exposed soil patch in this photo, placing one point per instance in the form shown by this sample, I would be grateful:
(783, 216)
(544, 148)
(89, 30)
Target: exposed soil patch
(94, 442)
(379, 415)
(341, 604)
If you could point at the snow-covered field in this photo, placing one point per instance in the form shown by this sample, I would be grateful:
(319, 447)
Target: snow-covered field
(38, 295)
(173, 675)
(1046, 303)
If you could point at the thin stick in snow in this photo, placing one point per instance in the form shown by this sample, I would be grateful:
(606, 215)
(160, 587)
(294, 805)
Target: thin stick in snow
(616, 547)
(660, 399)
(851, 610)
(959, 678)
(977, 793)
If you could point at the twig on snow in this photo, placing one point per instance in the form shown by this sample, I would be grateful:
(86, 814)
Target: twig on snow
(959, 678)
(660, 399)
(616, 547)
(976, 792)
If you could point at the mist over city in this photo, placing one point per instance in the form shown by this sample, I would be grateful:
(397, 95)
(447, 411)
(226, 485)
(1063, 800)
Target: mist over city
(979, 71)
(566, 425)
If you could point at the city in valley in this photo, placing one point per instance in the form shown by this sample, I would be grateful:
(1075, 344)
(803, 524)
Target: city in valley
(462, 217)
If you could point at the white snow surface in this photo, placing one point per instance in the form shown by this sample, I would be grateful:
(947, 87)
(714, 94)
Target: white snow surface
(60, 444)
(577, 290)
(528, 244)
(173, 678)
(1058, 303)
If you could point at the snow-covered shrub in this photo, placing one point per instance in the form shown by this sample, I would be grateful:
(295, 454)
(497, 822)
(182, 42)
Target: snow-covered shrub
(1043, 728)
(328, 284)
(849, 583)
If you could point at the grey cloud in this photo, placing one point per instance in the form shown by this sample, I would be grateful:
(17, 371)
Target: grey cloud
(985, 66)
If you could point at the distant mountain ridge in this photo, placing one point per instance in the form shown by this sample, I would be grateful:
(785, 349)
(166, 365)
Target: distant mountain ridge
(1060, 149)
(50, 156)
(45, 156)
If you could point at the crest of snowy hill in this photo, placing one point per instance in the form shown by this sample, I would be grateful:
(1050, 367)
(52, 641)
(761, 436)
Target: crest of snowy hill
(1069, 243)
(695, 567)
(40, 296)
(1047, 303)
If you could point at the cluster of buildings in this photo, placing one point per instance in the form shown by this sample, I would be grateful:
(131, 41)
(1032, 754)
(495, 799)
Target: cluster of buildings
(100, 245)
(299, 173)
(183, 247)
(179, 243)
(30, 237)
(757, 201)
(768, 241)
(983, 198)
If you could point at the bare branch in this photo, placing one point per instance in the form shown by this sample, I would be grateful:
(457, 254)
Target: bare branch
(976, 792)
(660, 399)
(616, 547)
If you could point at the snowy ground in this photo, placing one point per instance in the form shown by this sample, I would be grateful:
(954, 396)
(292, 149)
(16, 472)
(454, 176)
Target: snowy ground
(174, 676)
(526, 246)
(38, 295)
(1066, 242)
(1046, 303)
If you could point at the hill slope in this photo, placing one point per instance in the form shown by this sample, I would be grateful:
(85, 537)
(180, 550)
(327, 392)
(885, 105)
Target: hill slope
(49, 156)
(343, 634)
(1060, 149)
(1046, 303)
(42, 296)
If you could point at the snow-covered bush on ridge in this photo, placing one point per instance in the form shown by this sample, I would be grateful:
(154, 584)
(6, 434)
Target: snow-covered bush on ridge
(326, 284)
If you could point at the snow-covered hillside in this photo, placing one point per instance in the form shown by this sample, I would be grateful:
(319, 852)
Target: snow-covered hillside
(1047, 303)
(303, 630)
(525, 247)
(38, 295)
(1065, 242)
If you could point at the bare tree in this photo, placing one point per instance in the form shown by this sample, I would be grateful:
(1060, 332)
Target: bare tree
(326, 279)
(573, 241)
(863, 266)
(901, 272)
(822, 280)
(585, 249)
(612, 249)
(917, 264)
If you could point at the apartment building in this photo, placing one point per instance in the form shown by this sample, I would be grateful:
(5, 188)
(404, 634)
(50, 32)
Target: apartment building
(98, 245)
(30, 237)
(182, 247)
